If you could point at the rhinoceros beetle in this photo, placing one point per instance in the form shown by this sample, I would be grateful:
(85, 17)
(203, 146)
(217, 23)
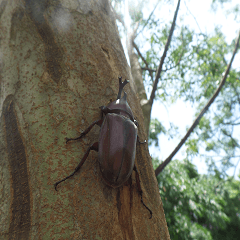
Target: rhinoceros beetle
(117, 143)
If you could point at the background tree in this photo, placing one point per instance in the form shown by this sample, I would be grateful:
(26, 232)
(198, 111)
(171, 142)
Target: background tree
(199, 206)
(190, 68)
(59, 62)
(194, 67)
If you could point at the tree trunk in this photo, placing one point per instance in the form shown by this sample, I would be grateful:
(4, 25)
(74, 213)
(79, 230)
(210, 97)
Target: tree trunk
(60, 61)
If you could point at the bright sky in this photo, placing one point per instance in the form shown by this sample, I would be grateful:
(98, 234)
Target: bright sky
(182, 114)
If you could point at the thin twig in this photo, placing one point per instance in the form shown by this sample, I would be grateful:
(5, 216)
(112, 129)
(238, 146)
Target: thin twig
(148, 69)
(148, 18)
(141, 56)
(159, 70)
(163, 70)
(193, 16)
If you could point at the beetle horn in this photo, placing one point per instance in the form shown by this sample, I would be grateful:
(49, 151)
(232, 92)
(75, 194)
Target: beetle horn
(125, 96)
(121, 86)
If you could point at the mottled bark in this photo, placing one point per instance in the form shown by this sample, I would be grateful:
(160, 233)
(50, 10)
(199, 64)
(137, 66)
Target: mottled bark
(60, 61)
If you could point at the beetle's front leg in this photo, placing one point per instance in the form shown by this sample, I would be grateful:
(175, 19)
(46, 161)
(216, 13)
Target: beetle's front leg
(98, 122)
(140, 189)
(94, 147)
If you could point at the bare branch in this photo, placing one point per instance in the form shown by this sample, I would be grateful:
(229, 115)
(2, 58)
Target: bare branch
(154, 70)
(148, 18)
(230, 136)
(148, 69)
(141, 56)
(159, 70)
(195, 123)
(193, 16)
(163, 70)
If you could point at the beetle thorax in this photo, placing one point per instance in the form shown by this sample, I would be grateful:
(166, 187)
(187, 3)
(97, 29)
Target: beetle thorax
(121, 104)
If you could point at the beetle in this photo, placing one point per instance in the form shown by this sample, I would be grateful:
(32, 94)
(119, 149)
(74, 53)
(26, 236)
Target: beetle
(117, 143)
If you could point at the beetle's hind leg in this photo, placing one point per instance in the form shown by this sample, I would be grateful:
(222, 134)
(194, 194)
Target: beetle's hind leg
(140, 189)
(94, 147)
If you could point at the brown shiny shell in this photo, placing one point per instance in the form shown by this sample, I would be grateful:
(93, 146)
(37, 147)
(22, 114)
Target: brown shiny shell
(121, 104)
(117, 149)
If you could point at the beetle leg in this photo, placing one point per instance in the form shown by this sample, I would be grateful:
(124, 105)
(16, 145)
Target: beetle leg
(139, 140)
(98, 122)
(94, 147)
(140, 189)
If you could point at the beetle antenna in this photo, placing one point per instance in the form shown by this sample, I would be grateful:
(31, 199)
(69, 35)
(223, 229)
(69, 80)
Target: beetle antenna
(121, 86)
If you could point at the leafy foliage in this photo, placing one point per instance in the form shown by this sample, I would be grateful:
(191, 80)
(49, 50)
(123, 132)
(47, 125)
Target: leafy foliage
(157, 128)
(199, 206)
